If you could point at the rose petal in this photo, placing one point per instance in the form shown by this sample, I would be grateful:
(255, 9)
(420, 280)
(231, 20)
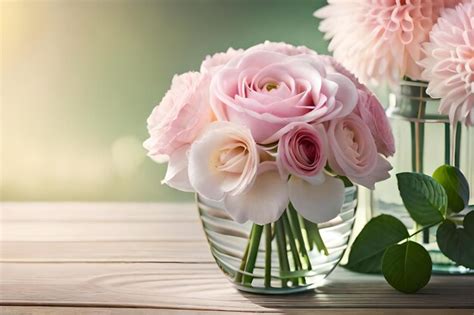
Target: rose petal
(380, 173)
(346, 94)
(205, 168)
(177, 172)
(317, 179)
(317, 203)
(264, 202)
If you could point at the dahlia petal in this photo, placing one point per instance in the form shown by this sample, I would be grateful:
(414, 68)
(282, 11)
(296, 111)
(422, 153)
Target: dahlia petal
(448, 63)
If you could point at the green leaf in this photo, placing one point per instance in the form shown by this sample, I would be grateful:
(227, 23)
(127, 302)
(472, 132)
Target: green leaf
(424, 198)
(455, 185)
(369, 246)
(407, 267)
(458, 243)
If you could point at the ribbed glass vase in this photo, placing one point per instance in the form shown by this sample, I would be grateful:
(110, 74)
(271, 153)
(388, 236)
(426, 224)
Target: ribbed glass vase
(424, 141)
(288, 256)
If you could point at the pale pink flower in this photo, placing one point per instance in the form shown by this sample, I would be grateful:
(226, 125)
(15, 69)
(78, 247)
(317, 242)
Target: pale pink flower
(223, 161)
(226, 168)
(370, 110)
(380, 40)
(174, 124)
(213, 63)
(449, 65)
(266, 90)
(353, 152)
(302, 151)
(264, 201)
(317, 203)
(182, 114)
(373, 114)
(223, 166)
(284, 48)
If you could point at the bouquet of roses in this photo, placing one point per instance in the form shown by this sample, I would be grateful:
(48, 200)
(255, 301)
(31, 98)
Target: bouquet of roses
(271, 128)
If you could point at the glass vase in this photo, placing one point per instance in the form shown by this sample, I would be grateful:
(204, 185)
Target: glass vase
(424, 141)
(288, 256)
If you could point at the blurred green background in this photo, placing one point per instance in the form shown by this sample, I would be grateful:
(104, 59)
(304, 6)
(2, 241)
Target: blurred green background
(79, 78)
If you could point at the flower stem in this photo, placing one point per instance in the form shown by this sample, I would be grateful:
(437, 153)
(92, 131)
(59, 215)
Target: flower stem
(293, 248)
(238, 277)
(314, 230)
(268, 255)
(295, 226)
(309, 234)
(422, 229)
(282, 252)
(253, 251)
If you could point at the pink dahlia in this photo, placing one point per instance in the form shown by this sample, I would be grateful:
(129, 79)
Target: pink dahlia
(449, 65)
(380, 40)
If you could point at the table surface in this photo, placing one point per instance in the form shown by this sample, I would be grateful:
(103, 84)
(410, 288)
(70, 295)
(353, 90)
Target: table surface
(149, 258)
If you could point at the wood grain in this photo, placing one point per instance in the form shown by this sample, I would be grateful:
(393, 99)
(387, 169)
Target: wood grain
(102, 251)
(98, 211)
(202, 287)
(117, 222)
(44, 310)
(101, 231)
(111, 258)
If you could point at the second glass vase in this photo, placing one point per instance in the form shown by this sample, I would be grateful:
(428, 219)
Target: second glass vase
(424, 141)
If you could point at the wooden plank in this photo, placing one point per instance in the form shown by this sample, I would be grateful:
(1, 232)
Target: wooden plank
(110, 257)
(101, 231)
(167, 251)
(75, 222)
(203, 287)
(98, 212)
(46, 310)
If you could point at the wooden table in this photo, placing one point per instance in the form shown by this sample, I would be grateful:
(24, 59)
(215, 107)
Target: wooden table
(137, 258)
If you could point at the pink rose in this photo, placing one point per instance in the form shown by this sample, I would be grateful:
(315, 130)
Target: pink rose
(373, 114)
(302, 151)
(225, 167)
(284, 48)
(353, 152)
(266, 90)
(213, 63)
(369, 109)
(182, 114)
(223, 161)
(173, 125)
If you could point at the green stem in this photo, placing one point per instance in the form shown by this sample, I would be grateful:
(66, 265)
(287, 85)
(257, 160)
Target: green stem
(268, 255)
(293, 248)
(295, 226)
(318, 240)
(308, 239)
(447, 143)
(457, 145)
(252, 256)
(238, 277)
(282, 252)
(309, 234)
(423, 229)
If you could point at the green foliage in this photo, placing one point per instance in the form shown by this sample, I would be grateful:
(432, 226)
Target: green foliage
(455, 185)
(457, 243)
(424, 198)
(407, 267)
(370, 244)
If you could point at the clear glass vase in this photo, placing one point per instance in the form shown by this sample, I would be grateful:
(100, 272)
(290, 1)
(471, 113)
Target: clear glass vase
(288, 256)
(424, 141)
